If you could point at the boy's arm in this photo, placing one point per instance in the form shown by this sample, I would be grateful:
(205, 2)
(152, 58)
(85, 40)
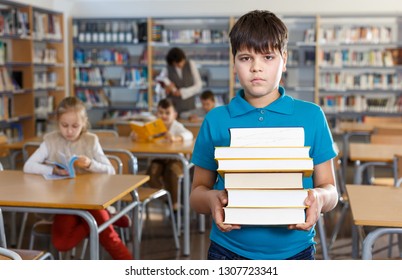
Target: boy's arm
(322, 198)
(205, 200)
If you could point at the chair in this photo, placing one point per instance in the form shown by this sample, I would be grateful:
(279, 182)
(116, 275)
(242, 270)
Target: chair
(122, 128)
(145, 194)
(396, 168)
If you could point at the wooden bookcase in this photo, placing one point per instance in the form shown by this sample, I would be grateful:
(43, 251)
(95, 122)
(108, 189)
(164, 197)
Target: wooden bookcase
(359, 66)
(32, 67)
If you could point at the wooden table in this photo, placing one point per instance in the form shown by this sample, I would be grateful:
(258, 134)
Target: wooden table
(365, 156)
(163, 149)
(379, 206)
(20, 192)
(158, 149)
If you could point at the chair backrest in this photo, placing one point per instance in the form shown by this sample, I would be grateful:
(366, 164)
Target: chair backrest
(116, 162)
(102, 133)
(122, 128)
(129, 161)
(29, 148)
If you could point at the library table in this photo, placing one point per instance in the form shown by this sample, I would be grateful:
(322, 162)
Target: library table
(378, 206)
(20, 192)
(162, 149)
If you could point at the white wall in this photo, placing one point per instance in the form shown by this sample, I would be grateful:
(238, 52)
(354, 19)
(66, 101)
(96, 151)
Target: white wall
(165, 8)
(154, 8)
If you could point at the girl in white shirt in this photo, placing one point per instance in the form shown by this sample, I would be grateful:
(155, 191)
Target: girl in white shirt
(72, 138)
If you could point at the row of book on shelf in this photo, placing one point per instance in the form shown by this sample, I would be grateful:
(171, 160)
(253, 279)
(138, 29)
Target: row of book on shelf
(263, 170)
(368, 80)
(387, 103)
(129, 77)
(357, 33)
(353, 57)
(110, 31)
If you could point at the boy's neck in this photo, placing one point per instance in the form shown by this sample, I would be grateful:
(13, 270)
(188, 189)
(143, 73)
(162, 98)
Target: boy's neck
(262, 101)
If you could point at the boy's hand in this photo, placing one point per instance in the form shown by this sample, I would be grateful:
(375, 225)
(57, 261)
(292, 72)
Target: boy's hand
(83, 162)
(217, 200)
(172, 138)
(313, 212)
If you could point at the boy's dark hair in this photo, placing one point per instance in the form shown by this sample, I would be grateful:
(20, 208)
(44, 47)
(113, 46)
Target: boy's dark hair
(175, 55)
(207, 94)
(166, 103)
(261, 31)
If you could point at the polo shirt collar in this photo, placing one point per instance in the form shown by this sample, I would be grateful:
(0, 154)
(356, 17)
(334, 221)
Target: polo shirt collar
(283, 105)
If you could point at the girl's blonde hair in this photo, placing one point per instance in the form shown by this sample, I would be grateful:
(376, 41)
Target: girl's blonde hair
(72, 103)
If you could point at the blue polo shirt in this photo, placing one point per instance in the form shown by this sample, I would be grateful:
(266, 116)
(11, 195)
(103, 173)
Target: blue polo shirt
(263, 242)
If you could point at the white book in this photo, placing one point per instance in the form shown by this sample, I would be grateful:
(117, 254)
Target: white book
(266, 198)
(266, 165)
(262, 152)
(267, 136)
(264, 180)
(264, 216)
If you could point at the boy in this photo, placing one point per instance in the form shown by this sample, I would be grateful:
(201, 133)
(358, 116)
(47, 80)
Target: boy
(165, 173)
(259, 41)
(207, 104)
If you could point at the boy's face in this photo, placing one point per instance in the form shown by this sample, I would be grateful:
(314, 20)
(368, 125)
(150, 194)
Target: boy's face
(207, 104)
(259, 73)
(167, 115)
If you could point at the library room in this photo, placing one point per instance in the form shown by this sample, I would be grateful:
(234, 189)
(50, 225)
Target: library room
(115, 114)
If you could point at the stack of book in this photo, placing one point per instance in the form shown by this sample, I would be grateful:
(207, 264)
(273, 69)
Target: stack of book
(263, 170)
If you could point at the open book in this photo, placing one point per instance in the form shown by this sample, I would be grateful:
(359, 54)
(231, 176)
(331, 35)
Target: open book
(67, 164)
(148, 131)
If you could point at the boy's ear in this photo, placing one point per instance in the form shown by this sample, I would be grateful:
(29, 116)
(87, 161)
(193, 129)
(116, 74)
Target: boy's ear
(285, 59)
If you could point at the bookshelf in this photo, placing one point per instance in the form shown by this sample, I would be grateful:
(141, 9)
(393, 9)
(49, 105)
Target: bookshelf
(205, 41)
(48, 64)
(110, 65)
(359, 66)
(28, 35)
(300, 77)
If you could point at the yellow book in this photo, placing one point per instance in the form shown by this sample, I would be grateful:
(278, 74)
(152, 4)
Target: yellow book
(148, 131)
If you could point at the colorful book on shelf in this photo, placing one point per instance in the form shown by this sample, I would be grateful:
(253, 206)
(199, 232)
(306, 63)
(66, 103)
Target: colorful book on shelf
(148, 131)
(248, 197)
(262, 152)
(66, 164)
(264, 215)
(270, 180)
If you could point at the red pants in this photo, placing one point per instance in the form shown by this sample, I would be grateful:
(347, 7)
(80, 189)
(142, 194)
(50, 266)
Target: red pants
(69, 230)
